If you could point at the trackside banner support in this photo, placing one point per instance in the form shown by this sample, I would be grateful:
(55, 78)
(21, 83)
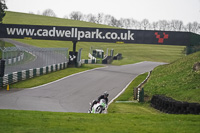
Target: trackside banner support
(74, 54)
(74, 46)
(85, 34)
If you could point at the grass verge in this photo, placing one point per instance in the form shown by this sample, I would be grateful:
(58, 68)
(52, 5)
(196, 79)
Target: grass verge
(132, 107)
(177, 80)
(52, 122)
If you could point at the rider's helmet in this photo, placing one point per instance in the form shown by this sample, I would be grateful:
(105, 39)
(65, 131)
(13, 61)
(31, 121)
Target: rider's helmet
(106, 94)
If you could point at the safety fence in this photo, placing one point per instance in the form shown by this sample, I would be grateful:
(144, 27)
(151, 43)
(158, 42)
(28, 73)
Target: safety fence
(27, 74)
(138, 92)
(171, 106)
(88, 61)
(23, 58)
(92, 60)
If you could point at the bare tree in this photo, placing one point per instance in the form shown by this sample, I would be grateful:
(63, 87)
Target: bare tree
(195, 27)
(145, 23)
(91, 18)
(99, 18)
(49, 12)
(127, 23)
(133, 23)
(189, 27)
(114, 22)
(198, 31)
(162, 24)
(180, 27)
(138, 25)
(3, 7)
(155, 25)
(76, 15)
(107, 19)
(176, 25)
(168, 26)
(124, 23)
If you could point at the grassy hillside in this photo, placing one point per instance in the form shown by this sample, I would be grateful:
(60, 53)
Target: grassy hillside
(177, 80)
(52, 122)
(131, 52)
(24, 18)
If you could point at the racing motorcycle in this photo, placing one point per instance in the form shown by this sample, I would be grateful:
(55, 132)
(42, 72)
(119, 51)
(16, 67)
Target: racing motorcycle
(99, 107)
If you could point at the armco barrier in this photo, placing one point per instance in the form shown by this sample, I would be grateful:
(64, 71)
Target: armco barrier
(118, 56)
(88, 61)
(15, 59)
(92, 60)
(171, 106)
(107, 60)
(136, 91)
(26, 74)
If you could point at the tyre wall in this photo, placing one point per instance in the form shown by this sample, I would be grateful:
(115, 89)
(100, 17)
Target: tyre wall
(171, 106)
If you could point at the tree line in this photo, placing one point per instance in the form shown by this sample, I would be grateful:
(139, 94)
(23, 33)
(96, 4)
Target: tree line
(130, 23)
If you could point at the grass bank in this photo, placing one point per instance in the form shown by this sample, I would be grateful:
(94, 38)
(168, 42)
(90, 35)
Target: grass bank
(24, 18)
(52, 122)
(177, 80)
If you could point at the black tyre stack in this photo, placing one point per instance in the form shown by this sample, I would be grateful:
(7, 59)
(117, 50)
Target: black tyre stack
(171, 106)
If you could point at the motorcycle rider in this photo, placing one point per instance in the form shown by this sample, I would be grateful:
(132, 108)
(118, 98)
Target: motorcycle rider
(104, 96)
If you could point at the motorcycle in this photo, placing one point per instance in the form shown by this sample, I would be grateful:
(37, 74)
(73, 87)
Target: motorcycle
(99, 107)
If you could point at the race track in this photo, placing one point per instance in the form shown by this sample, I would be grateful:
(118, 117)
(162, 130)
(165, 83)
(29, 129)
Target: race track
(73, 93)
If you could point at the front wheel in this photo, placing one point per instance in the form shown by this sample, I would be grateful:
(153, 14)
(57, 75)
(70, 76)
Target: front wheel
(99, 109)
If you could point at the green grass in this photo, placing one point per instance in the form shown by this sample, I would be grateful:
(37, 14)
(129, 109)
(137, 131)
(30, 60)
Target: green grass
(132, 107)
(4, 44)
(31, 19)
(127, 95)
(51, 122)
(176, 80)
(131, 53)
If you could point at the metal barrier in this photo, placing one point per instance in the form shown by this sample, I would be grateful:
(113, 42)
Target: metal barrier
(24, 58)
(26, 74)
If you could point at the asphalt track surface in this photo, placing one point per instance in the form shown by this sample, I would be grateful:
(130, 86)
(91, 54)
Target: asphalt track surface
(73, 93)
